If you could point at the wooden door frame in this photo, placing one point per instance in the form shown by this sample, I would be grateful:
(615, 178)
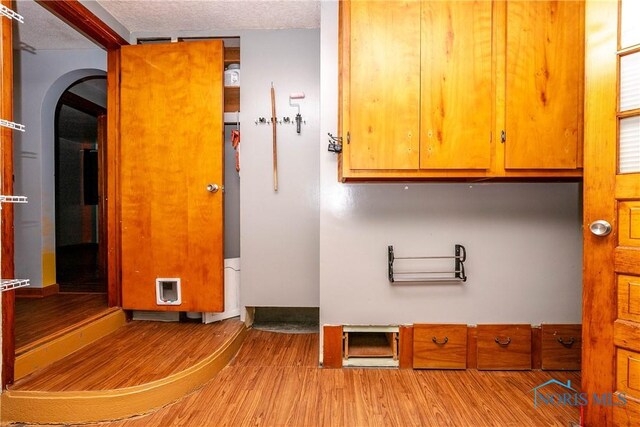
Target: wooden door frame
(84, 21)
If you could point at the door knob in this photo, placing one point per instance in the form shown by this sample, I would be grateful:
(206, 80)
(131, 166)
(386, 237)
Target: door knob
(600, 227)
(213, 188)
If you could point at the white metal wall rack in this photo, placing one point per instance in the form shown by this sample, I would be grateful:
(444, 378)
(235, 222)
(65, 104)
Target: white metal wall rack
(457, 275)
(5, 11)
(10, 284)
(12, 125)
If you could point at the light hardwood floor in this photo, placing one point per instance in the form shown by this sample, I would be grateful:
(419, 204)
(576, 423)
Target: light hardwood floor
(137, 353)
(275, 381)
(37, 318)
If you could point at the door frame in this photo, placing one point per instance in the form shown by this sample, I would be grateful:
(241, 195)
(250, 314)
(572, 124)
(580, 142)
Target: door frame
(84, 21)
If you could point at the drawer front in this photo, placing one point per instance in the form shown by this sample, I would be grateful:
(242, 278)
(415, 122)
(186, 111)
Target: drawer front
(561, 347)
(439, 346)
(628, 373)
(504, 347)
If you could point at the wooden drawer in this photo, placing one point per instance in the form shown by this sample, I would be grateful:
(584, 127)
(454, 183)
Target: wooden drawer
(504, 347)
(628, 372)
(439, 346)
(561, 347)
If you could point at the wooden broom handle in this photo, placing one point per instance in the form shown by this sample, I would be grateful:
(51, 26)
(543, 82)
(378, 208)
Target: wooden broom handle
(274, 123)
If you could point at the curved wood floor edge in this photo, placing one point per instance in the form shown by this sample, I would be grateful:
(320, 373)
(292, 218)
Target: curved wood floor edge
(48, 350)
(107, 405)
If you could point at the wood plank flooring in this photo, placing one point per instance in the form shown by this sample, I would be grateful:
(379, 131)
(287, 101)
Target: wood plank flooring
(37, 318)
(275, 381)
(137, 353)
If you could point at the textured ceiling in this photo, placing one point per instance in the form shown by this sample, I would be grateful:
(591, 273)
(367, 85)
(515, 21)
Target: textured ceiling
(171, 16)
(42, 30)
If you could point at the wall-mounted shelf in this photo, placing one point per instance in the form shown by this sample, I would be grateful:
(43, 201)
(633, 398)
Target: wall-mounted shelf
(10, 284)
(13, 199)
(422, 275)
(12, 125)
(232, 118)
(5, 11)
(231, 98)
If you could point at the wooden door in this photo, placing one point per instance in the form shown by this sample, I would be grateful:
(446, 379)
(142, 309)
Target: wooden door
(384, 85)
(544, 69)
(457, 95)
(611, 295)
(171, 149)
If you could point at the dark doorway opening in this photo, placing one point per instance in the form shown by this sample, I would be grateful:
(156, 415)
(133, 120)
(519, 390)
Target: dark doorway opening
(80, 126)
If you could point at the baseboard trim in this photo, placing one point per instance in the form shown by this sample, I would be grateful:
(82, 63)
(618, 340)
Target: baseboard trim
(97, 406)
(30, 292)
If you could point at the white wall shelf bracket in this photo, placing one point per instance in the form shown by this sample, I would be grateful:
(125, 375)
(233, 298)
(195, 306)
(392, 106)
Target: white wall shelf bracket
(12, 125)
(10, 284)
(5, 11)
(13, 199)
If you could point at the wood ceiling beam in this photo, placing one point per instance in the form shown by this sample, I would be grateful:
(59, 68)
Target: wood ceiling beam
(84, 21)
(82, 104)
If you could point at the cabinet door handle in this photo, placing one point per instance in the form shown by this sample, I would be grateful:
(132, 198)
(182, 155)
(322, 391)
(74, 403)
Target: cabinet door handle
(503, 343)
(443, 342)
(567, 344)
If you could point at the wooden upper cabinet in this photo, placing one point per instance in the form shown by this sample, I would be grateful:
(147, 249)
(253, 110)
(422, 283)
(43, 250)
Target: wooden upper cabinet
(384, 84)
(429, 88)
(456, 90)
(544, 84)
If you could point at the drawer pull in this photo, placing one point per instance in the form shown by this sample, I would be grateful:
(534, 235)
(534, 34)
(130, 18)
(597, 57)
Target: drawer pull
(503, 343)
(435, 341)
(567, 344)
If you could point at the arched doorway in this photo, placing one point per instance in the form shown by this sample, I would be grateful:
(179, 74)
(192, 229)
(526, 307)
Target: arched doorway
(80, 223)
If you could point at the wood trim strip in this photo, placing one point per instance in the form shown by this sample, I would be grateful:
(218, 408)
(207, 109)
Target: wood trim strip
(6, 157)
(332, 347)
(112, 173)
(30, 292)
(84, 21)
(472, 347)
(79, 103)
(536, 347)
(406, 347)
(627, 260)
(97, 406)
(599, 284)
(627, 334)
(61, 344)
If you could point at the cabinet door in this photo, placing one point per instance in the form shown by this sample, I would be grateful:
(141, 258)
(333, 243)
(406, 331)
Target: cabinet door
(384, 85)
(171, 148)
(456, 85)
(544, 67)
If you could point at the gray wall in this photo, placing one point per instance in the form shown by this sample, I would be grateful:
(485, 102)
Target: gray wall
(523, 240)
(279, 231)
(39, 80)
